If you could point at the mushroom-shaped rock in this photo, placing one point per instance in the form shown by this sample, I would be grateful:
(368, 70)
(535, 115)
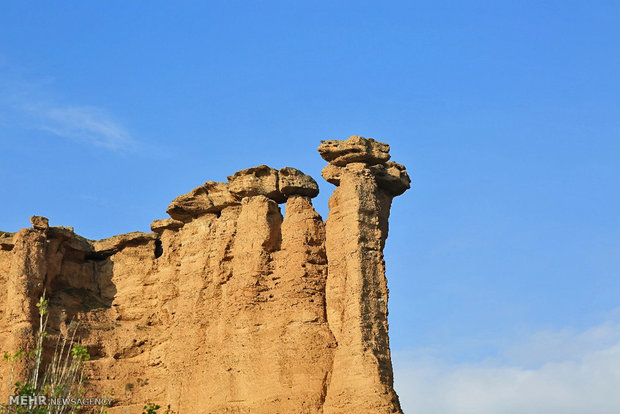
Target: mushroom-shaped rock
(354, 149)
(294, 182)
(392, 177)
(158, 226)
(261, 180)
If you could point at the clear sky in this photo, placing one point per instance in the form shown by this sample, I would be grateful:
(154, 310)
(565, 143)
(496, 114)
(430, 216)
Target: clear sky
(503, 259)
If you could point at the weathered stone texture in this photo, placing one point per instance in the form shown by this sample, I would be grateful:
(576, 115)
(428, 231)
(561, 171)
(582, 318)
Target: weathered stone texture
(261, 180)
(227, 307)
(354, 149)
(294, 182)
(211, 197)
(158, 226)
(356, 292)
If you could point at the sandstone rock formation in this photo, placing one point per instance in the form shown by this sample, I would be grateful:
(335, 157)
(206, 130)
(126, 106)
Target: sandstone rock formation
(158, 226)
(227, 307)
(354, 149)
(211, 197)
(356, 291)
(261, 180)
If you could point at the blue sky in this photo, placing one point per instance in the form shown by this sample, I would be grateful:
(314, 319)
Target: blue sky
(503, 259)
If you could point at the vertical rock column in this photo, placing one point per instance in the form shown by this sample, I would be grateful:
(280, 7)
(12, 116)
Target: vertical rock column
(302, 349)
(25, 281)
(264, 345)
(356, 293)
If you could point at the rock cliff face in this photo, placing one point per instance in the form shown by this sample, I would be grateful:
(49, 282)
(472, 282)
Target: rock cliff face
(227, 307)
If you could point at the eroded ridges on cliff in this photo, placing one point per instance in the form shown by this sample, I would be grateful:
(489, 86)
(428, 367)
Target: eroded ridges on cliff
(227, 306)
(262, 332)
(75, 273)
(356, 293)
(54, 260)
(22, 276)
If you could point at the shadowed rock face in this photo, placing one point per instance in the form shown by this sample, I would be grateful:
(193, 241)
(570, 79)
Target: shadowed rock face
(227, 307)
(294, 182)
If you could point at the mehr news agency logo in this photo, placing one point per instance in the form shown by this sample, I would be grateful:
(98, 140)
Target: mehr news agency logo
(32, 401)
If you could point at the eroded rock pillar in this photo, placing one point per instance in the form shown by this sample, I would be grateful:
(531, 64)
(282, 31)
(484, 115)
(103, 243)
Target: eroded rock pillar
(356, 291)
(25, 281)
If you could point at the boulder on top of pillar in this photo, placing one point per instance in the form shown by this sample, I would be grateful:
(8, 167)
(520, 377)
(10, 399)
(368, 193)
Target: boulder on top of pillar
(255, 181)
(357, 154)
(294, 182)
(354, 149)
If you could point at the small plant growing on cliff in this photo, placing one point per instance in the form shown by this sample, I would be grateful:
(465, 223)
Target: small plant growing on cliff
(150, 408)
(63, 377)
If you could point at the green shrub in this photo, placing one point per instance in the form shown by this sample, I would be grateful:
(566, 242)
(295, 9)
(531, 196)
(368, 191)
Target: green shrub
(150, 408)
(62, 377)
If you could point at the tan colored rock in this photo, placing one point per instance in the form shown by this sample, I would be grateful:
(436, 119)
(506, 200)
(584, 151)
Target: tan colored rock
(69, 239)
(190, 205)
(23, 278)
(6, 241)
(358, 153)
(294, 182)
(331, 173)
(211, 197)
(237, 309)
(158, 226)
(39, 223)
(356, 290)
(392, 177)
(220, 195)
(116, 243)
(354, 149)
(261, 180)
(61, 231)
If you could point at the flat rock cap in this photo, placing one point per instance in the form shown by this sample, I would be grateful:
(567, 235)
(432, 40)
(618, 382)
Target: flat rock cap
(294, 182)
(255, 181)
(354, 149)
(158, 226)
